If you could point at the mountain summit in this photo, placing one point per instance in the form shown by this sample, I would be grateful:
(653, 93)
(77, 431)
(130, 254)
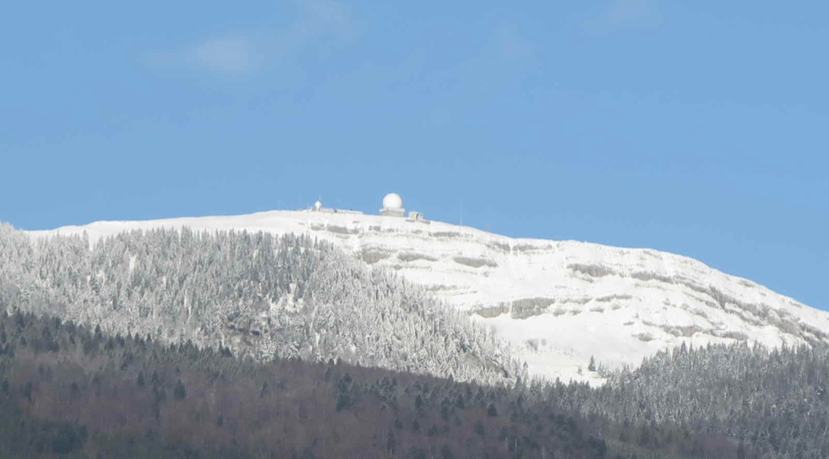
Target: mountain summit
(562, 304)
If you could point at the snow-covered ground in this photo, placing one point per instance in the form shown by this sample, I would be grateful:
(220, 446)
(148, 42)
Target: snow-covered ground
(558, 302)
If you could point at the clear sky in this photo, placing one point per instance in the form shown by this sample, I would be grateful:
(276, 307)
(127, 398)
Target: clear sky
(700, 128)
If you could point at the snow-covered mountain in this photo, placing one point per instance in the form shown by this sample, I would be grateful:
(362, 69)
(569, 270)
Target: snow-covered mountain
(559, 302)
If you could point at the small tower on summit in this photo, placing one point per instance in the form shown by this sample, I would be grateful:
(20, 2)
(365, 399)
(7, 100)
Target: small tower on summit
(318, 205)
(393, 206)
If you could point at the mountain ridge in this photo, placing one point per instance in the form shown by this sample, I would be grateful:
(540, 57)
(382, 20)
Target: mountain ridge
(559, 302)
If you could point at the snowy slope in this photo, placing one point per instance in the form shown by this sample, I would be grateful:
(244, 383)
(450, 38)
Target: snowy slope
(560, 302)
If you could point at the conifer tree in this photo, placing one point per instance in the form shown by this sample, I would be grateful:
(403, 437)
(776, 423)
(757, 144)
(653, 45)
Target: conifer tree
(179, 392)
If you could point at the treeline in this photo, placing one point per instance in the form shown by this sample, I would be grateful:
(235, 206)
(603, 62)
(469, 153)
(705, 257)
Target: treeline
(773, 401)
(257, 294)
(70, 391)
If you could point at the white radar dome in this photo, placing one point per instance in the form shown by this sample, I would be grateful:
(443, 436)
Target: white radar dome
(393, 201)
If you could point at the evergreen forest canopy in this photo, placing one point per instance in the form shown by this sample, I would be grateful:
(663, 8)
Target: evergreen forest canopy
(69, 391)
(208, 326)
(256, 294)
(774, 400)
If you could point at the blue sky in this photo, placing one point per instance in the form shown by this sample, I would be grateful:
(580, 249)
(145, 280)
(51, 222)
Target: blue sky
(700, 128)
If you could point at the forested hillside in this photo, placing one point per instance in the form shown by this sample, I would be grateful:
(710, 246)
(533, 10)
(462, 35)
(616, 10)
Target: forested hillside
(256, 294)
(67, 390)
(774, 401)
(169, 308)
